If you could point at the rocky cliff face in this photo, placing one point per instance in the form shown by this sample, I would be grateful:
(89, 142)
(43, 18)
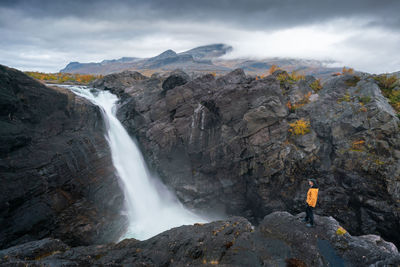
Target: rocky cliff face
(227, 144)
(280, 240)
(57, 178)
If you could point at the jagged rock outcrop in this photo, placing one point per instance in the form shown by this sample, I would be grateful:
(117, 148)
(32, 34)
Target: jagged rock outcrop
(176, 78)
(118, 83)
(57, 177)
(280, 240)
(225, 144)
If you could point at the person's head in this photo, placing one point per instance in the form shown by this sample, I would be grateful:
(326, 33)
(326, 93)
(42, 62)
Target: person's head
(312, 182)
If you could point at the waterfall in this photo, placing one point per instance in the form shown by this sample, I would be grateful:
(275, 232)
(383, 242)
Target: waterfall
(150, 207)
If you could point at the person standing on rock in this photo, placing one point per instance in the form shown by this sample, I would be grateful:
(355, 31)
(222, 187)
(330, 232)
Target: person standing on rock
(312, 196)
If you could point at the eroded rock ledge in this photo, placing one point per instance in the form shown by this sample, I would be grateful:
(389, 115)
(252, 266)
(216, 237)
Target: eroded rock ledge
(280, 239)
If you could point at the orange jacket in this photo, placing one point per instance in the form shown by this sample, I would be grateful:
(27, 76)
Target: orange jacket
(312, 196)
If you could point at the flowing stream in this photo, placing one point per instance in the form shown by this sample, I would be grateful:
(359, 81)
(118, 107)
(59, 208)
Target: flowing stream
(150, 207)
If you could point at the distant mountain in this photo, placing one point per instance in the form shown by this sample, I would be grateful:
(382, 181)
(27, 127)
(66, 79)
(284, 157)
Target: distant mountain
(261, 66)
(122, 59)
(199, 60)
(166, 58)
(397, 74)
(208, 51)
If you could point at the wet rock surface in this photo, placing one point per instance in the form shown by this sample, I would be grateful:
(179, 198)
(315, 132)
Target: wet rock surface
(224, 144)
(57, 178)
(280, 239)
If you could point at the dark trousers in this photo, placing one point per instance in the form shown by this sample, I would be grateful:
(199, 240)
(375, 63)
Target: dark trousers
(310, 215)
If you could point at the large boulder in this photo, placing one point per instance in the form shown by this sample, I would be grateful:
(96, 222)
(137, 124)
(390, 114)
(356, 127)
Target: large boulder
(118, 82)
(57, 177)
(281, 239)
(227, 144)
(175, 79)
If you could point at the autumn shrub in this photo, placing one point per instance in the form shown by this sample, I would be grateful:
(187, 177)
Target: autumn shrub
(296, 76)
(364, 99)
(293, 262)
(352, 81)
(358, 145)
(63, 77)
(273, 68)
(316, 85)
(305, 100)
(283, 77)
(289, 105)
(394, 100)
(387, 84)
(347, 70)
(299, 127)
(341, 231)
(290, 78)
(345, 98)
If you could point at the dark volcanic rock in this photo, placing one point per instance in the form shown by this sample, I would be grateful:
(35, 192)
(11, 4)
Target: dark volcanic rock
(175, 79)
(57, 177)
(34, 250)
(118, 82)
(280, 239)
(224, 143)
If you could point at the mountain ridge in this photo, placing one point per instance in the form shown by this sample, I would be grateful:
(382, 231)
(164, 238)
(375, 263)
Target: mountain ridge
(200, 55)
(202, 59)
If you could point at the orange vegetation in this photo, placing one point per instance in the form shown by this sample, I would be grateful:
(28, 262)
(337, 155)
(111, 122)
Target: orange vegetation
(347, 70)
(299, 127)
(302, 102)
(63, 77)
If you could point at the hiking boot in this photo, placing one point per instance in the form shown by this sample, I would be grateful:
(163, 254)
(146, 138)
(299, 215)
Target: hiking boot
(309, 225)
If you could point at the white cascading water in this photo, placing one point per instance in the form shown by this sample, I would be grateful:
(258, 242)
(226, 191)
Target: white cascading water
(150, 207)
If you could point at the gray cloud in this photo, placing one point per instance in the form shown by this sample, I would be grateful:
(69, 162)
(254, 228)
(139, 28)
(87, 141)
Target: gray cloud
(257, 13)
(46, 34)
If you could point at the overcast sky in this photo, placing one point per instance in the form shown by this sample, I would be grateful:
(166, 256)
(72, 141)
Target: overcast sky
(46, 35)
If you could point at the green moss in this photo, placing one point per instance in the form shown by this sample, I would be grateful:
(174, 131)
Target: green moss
(394, 100)
(316, 85)
(345, 98)
(356, 150)
(290, 78)
(98, 256)
(386, 82)
(352, 81)
(379, 162)
(364, 99)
